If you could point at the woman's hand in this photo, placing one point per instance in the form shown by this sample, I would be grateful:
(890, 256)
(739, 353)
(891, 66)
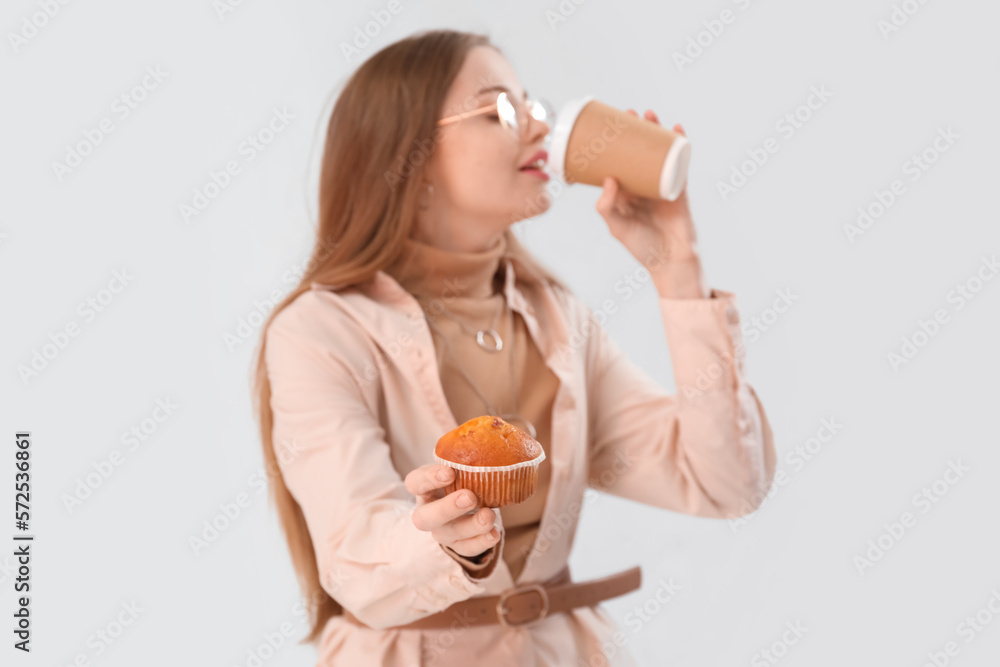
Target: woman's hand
(445, 517)
(655, 231)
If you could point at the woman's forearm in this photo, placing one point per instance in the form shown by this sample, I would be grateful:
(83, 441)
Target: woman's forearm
(681, 279)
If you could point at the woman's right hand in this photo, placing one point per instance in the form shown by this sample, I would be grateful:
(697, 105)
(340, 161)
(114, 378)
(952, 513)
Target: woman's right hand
(445, 516)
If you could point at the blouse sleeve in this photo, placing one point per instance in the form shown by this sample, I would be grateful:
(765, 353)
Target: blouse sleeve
(707, 450)
(371, 558)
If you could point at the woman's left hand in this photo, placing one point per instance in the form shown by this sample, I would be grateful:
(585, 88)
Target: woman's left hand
(653, 230)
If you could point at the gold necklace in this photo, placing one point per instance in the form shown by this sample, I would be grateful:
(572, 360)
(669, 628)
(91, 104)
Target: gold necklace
(481, 334)
(509, 416)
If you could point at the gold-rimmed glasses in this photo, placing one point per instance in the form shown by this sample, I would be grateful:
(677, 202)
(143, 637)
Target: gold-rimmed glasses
(513, 116)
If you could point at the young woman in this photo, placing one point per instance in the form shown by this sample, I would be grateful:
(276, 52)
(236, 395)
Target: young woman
(420, 310)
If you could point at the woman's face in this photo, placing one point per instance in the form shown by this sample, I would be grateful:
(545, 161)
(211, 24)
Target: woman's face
(479, 188)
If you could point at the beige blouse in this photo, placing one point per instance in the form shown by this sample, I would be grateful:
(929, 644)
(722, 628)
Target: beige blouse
(468, 286)
(357, 396)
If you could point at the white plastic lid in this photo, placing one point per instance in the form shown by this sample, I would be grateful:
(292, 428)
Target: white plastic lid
(565, 119)
(673, 176)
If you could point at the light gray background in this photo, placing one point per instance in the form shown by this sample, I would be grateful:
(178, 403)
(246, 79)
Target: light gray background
(825, 357)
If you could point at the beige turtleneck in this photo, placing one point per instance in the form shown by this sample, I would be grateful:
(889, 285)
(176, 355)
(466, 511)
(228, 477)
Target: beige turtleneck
(470, 286)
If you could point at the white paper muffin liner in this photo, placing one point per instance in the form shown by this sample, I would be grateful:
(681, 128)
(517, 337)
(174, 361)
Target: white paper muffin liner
(496, 486)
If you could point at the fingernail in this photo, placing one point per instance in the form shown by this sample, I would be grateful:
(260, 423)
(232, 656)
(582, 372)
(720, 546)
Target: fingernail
(464, 500)
(482, 518)
(444, 474)
(494, 534)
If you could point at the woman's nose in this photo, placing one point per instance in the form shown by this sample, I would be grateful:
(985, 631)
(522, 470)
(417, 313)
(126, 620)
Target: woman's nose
(537, 129)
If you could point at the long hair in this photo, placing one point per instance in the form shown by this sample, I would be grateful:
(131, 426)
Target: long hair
(380, 134)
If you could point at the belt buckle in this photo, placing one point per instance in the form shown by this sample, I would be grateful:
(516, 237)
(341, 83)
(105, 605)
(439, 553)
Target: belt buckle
(529, 588)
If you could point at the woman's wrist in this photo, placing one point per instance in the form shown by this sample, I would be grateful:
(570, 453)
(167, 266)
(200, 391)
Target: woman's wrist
(478, 559)
(680, 279)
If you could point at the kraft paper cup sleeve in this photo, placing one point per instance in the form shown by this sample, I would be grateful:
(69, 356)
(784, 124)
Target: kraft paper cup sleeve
(673, 176)
(565, 119)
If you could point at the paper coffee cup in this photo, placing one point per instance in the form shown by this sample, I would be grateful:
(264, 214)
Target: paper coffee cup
(592, 140)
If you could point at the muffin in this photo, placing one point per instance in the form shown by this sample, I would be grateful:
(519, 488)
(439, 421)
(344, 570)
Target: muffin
(492, 458)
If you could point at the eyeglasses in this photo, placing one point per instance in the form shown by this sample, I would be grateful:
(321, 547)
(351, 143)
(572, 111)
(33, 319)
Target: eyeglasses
(513, 116)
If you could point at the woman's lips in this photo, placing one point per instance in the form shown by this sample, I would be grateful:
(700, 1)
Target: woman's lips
(536, 172)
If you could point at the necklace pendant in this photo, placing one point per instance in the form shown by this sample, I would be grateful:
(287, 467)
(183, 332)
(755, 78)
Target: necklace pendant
(492, 333)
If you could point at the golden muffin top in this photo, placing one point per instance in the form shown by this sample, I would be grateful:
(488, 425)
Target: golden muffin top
(487, 441)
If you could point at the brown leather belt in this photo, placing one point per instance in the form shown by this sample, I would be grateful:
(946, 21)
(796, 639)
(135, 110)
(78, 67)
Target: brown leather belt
(527, 603)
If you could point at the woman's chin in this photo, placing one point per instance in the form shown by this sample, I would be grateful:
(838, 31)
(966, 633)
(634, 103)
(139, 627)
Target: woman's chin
(532, 204)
